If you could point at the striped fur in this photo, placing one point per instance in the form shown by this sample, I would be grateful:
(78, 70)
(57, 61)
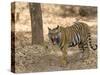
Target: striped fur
(77, 34)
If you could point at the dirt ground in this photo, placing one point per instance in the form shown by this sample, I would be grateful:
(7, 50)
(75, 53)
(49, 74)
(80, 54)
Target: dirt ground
(42, 58)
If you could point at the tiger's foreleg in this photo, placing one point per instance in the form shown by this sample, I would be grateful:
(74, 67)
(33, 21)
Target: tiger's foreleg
(63, 58)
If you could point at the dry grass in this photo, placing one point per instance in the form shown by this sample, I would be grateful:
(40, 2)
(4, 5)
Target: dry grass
(36, 58)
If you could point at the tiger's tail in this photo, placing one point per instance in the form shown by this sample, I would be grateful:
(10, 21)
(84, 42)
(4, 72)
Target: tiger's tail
(93, 46)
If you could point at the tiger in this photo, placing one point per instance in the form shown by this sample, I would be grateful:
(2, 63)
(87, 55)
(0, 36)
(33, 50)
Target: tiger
(77, 34)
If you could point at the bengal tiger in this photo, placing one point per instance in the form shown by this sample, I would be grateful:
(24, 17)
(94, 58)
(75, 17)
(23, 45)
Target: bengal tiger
(77, 34)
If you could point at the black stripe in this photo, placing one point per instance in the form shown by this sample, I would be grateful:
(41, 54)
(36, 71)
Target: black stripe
(76, 27)
(75, 41)
(89, 35)
(90, 42)
(78, 36)
(90, 39)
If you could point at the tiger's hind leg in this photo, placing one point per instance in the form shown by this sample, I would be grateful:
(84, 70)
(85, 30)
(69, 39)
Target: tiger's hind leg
(85, 50)
(80, 47)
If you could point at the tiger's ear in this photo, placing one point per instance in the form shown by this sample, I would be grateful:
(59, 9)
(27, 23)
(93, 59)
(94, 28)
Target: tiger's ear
(57, 26)
(49, 28)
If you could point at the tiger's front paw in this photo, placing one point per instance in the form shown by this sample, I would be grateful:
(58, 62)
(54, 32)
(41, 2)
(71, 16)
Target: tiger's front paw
(63, 63)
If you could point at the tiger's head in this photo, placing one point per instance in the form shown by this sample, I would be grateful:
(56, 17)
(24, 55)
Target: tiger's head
(54, 35)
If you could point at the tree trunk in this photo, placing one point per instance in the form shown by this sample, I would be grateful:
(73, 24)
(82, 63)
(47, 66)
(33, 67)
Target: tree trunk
(36, 23)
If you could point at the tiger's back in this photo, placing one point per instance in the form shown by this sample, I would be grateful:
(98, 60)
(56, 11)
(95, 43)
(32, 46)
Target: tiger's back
(75, 34)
